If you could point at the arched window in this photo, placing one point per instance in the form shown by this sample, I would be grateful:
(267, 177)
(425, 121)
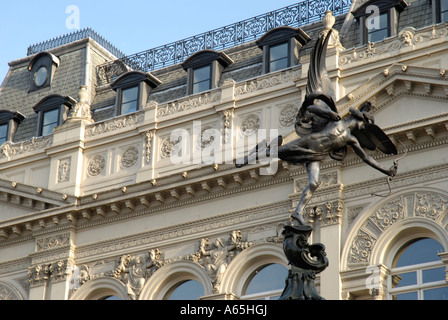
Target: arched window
(267, 282)
(187, 290)
(418, 273)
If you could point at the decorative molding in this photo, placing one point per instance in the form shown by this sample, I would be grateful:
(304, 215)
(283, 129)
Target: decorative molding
(269, 81)
(407, 37)
(10, 150)
(64, 170)
(250, 125)
(115, 124)
(53, 242)
(188, 103)
(288, 114)
(428, 205)
(96, 165)
(130, 157)
(149, 135)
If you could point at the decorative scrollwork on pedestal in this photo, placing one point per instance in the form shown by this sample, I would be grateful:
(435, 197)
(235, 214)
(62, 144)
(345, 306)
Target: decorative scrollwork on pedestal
(306, 260)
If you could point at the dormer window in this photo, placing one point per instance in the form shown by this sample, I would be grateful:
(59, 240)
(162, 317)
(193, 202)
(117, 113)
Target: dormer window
(204, 69)
(133, 89)
(281, 47)
(42, 68)
(440, 10)
(201, 79)
(9, 121)
(129, 100)
(279, 57)
(383, 30)
(53, 110)
(378, 19)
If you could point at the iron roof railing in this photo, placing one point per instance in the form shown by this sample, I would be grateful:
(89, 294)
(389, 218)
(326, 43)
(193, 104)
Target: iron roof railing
(299, 14)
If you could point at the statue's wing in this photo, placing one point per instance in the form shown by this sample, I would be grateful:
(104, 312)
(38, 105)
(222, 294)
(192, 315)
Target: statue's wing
(319, 87)
(373, 137)
(318, 80)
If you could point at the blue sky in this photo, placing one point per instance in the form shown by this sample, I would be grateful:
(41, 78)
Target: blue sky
(132, 26)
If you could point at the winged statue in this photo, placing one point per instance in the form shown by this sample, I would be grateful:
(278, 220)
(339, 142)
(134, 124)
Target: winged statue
(322, 132)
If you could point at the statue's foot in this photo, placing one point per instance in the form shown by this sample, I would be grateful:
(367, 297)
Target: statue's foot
(297, 219)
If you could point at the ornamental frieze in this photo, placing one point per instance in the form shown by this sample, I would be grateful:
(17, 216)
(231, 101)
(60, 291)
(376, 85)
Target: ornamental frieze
(114, 124)
(427, 205)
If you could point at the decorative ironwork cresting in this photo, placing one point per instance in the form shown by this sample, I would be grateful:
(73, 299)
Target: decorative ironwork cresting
(302, 13)
(71, 37)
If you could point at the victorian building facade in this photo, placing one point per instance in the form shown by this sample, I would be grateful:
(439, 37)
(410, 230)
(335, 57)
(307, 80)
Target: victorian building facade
(118, 177)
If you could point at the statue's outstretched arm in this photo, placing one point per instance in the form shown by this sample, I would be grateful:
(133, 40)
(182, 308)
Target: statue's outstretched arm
(369, 160)
(324, 112)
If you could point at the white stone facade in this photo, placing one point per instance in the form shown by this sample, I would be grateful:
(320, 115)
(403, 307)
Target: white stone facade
(99, 209)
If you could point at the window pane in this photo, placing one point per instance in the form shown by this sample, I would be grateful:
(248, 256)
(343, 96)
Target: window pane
(436, 274)
(278, 57)
(129, 107)
(201, 86)
(406, 296)
(201, 79)
(201, 74)
(3, 133)
(50, 121)
(267, 278)
(278, 64)
(130, 94)
(404, 279)
(378, 29)
(420, 251)
(436, 294)
(279, 51)
(188, 290)
(378, 35)
(443, 5)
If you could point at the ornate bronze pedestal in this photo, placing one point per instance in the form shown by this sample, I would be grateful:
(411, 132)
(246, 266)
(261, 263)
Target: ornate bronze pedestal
(306, 261)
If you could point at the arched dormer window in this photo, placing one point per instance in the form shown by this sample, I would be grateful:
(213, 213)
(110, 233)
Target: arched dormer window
(9, 121)
(52, 111)
(378, 19)
(133, 89)
(204, 69)
(281, 47)
(42, 68)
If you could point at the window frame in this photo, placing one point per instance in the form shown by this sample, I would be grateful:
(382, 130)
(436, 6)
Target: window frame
(145, 83)
(288, 56)
(419, 287)
(296, 38)
(42, 60)
(388, 27)
(7, 131)
(51, 103)
(437, 10)
(392, 7)
(209, 79)
(218, 62)
(12, 120)
(137, 99)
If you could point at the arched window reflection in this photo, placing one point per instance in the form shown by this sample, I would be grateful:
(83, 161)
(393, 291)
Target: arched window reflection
(418, 273)
(267, 282)
(187, 290)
